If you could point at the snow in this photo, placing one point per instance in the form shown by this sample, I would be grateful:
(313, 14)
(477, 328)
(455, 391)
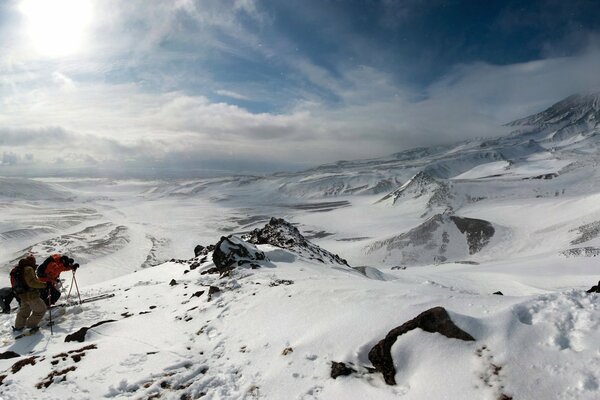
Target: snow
(273, 332)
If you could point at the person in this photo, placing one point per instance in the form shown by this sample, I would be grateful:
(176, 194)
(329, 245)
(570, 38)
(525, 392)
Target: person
(32, 308)
(6, 297)
(49, 272)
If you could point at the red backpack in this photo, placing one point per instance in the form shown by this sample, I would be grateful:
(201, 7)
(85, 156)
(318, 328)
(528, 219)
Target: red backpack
(17, 280)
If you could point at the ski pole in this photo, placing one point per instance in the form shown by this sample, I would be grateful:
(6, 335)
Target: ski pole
(50, 308)
(77, 287)
(70, 286)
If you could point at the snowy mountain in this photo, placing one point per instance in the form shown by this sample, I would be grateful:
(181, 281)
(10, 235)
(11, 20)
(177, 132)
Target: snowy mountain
(365, 279)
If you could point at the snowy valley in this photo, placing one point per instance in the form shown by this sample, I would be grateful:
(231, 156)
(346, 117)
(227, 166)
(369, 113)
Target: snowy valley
(285, 286)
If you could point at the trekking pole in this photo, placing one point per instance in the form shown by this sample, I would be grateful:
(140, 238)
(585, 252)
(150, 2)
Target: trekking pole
(50, 310)
(77, 287)
(70, 286)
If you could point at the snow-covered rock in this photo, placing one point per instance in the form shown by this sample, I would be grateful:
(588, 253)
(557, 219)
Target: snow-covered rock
(441, 238)
(280, 233)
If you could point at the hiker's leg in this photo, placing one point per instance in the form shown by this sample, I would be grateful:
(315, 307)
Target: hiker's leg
(22, 314)
(39, 309)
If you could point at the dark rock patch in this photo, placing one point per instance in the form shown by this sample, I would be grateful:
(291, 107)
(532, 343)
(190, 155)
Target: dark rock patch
(233, 252)
(213, 270)
(173, 282)
(198, 293)
(594, 289)
(16, 367)
(52, 375)
(433, 320)
(477, 231)
(340, 369)
(211, 291)
(587, 251)
(278, 282)
(9, 354)
(499, 293)
(79, 336)
(287, 351)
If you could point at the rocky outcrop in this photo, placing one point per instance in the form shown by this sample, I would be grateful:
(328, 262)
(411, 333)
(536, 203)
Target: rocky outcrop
(233, 252)
(441, 238)
(594, 289)
(477, 231)
(433, 320)
(587, 251)
(436, 193)
(282, 234)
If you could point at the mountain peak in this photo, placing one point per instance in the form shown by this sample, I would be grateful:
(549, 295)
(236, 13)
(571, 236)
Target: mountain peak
(581, 108)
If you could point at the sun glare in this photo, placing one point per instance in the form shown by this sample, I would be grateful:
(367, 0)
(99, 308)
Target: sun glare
(56, 27)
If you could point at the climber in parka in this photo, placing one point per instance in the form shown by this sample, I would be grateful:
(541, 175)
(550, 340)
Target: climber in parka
(26, 285)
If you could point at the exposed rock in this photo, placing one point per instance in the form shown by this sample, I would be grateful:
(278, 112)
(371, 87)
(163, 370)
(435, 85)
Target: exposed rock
(499, 293)
(422, 185)
(212, 290)
(586, 232)
(198, 293)
(340, 369)
(16, 367)
(477, 231)
(441, 238)
(173, 282)
(9, 354)
(282, 234)
(79, 336)
(287, 351)
(595, 289)
(587, 251)
(198, 250)
(433, 320)
(233, 252)
(278, 282)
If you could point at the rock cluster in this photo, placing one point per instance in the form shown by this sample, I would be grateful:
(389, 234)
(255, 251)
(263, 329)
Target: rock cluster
(280, 233)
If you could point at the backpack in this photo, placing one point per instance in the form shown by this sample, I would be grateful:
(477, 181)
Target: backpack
(41, 269)
(17, 281)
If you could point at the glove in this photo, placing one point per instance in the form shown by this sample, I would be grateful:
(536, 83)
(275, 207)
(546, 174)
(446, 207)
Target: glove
(75, 266)
(49, 285)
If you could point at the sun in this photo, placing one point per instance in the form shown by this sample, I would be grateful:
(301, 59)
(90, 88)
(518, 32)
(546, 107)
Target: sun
(56, 28)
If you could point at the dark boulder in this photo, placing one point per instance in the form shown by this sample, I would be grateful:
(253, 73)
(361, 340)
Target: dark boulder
(340, 369)
(232, 252)
(595, 289)
(433, 320)
(201, 251)
(9, 354)
(79, 336)
(499, 293)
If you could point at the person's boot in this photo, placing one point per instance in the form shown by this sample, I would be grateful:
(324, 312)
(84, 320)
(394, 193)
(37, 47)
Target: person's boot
(34, 329)
(17, 330)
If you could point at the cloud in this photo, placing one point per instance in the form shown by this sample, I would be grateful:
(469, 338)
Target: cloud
(232, 94)
(102, 124)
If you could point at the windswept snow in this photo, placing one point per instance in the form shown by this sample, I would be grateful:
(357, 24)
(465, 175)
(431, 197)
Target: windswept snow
(356, 249)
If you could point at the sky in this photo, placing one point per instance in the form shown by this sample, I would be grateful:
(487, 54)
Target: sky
(257, 86)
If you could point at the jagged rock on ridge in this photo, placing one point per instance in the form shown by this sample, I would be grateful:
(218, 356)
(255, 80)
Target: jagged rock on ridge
(433, 320)
(233, 252)
(594, 289)
(282, 234)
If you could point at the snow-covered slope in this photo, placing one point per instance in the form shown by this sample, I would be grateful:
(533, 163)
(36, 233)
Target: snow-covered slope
(183, 331)
(266, 310)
